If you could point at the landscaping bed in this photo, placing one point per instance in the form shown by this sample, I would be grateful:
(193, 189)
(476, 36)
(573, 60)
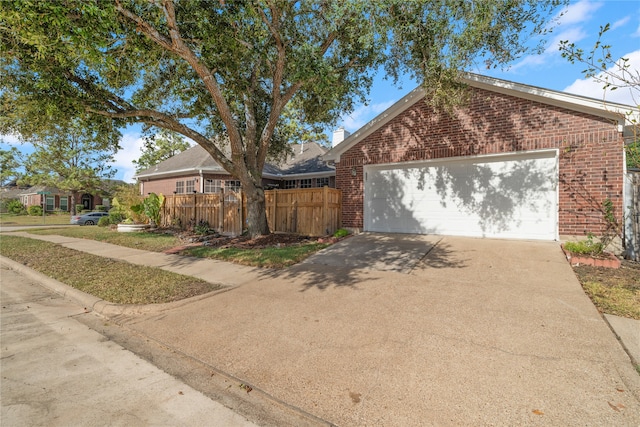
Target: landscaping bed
(613, 290)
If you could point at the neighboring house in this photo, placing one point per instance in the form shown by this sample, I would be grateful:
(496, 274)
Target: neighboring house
(194, 170)
(516, 162)
(55, 199)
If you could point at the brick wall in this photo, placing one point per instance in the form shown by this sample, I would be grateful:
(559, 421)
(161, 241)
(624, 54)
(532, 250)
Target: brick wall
(590, 147)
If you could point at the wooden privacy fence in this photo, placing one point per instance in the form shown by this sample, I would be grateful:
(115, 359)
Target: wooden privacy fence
(309, 211)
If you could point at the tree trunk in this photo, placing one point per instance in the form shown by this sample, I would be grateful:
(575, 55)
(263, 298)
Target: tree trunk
(256, 211)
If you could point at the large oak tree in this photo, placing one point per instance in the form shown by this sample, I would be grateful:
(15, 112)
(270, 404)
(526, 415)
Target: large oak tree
(222, 72)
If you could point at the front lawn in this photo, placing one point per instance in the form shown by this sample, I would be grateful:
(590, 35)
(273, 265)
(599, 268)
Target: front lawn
(155, 242)
(7, 219)
(111, 280)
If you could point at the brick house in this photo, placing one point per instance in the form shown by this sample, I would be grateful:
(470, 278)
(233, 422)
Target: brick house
(54, 199)
(516, 161)
(194, 170)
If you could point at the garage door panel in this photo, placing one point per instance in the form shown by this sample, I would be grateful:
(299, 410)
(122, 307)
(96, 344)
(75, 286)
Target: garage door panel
(511, 197)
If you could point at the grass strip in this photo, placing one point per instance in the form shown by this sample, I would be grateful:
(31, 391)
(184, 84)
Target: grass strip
(616, 300)
(155, 242)
(111, 280)
(265, 257)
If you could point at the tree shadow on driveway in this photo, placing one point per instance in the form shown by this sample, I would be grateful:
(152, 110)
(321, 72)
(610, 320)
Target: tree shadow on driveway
(364, 257)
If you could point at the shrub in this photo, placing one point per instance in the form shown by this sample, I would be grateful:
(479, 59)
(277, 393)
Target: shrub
(115, 216)
(586, 247)
(202, 227)
(101, 208)
(342, 232)
(35, 210)
(13, 206)
(104, 221)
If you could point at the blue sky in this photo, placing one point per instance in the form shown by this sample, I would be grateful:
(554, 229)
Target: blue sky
(580, 24)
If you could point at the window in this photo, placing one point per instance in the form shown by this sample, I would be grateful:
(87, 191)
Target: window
(50, 203)
(322, 182)
(232, 185)
(64, 204)
(179, 187)
(212, 185)
(290, 184)
(191, 186)
(305, 183)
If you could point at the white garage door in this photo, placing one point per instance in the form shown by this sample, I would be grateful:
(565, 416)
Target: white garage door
(507, 196)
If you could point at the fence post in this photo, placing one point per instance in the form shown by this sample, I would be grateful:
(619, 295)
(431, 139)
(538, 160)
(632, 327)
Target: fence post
(221, 211)
(325, 209)
(274, 210)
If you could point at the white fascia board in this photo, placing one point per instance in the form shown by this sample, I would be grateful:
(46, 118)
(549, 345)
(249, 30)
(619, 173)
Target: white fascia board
(180, 172)
(583, 104)
(285, 176)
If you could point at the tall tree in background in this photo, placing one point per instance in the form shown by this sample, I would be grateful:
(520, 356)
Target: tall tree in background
(10, 162)
(159, 147)
(222, 72)
(72, 158)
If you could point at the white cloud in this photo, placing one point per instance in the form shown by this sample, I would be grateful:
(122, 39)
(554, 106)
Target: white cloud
(10, 140)
(579, 12)
(131, 144)
(620, 23)
(363, 115)
(594, 89)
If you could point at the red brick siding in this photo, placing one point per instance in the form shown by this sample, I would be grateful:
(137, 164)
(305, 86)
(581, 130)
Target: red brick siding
(590, 147)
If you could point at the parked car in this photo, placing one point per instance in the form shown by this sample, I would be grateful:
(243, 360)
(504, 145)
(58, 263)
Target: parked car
(90, 218)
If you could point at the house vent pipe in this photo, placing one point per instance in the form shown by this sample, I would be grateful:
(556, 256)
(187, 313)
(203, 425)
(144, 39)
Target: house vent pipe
(339, 135)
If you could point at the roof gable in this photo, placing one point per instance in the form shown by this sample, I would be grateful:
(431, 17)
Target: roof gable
(568, 101)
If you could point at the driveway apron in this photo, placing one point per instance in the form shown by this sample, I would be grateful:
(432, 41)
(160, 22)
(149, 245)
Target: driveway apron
(459, 332)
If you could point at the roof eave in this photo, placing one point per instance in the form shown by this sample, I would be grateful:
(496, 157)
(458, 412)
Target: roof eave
(619, 112)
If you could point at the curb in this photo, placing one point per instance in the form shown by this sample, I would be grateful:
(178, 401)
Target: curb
(94, 304)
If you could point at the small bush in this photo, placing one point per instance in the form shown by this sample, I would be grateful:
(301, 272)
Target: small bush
(35, 210)
(585, 247)
(101, 208)
(104, 221)
(115, 217)
(13, 206)
(342, 232)
(202, 227)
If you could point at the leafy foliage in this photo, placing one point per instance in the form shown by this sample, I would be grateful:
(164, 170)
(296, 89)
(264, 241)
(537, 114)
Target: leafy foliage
(10, 162)
(223, 73)
(587, 247)
(152, 205)
(13, 206)
(35, 210)
(158, 147)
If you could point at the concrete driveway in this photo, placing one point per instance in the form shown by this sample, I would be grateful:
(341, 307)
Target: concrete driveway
(452, 331)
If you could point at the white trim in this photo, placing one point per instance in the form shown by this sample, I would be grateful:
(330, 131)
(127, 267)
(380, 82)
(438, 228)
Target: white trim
(463, 158)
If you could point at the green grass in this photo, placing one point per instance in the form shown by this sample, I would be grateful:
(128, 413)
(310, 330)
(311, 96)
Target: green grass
(616, 300)
(50, 219)
(155, 242)
(266, 257)
(115, 281)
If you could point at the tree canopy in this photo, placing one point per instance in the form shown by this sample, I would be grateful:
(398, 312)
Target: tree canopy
(158, 147)
(10, 163)
(74, 158)
(222, 72)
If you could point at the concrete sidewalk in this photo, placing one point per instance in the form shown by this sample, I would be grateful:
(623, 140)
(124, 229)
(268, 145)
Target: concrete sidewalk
(478, 332)
(57, 372)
